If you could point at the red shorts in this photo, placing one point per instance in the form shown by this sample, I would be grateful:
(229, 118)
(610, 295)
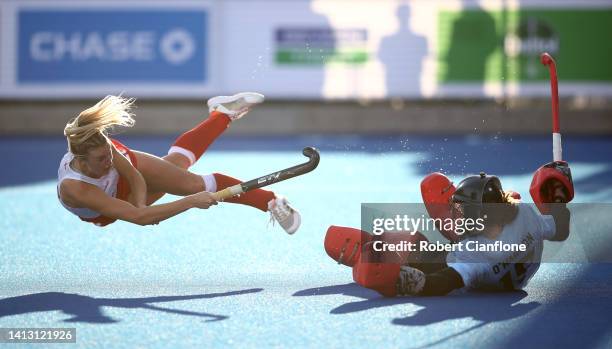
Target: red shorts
(123, 187)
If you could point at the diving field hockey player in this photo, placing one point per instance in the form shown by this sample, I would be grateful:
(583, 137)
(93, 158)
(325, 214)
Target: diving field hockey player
(101, 180)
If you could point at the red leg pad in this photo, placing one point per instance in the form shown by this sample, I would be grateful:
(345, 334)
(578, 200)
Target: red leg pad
(343, 244)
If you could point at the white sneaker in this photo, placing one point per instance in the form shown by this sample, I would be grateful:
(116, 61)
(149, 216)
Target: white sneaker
(410, 282)
(235, 106)
(284, 214)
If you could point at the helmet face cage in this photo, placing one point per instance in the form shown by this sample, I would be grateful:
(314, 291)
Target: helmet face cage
(467, 201)
(493, 193)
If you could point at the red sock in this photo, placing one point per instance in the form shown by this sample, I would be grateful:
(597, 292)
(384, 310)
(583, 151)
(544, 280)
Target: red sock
(257, 198)
(199, 138)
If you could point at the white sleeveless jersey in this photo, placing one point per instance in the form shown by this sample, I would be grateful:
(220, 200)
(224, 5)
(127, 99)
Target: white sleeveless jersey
(107, 183)
(499, 270)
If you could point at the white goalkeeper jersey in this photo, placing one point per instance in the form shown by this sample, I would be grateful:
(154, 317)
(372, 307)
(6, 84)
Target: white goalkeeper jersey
(500, 270)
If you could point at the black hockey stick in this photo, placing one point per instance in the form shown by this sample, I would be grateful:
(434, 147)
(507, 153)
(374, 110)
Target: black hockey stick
(297, 170)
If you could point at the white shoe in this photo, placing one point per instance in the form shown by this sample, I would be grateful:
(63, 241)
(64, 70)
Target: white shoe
(284, 214)
(410, 282)
(235, 106)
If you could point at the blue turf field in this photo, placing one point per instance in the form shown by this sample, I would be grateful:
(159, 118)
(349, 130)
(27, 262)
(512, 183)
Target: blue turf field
(222, 277)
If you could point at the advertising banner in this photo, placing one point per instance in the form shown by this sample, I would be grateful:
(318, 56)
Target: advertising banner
(297, 46)
(111, 45)
(477, 45)
(303, 49)
(74, 49)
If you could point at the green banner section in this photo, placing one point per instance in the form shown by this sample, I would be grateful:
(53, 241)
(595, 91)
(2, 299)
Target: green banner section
(308, 57)
(495, 46)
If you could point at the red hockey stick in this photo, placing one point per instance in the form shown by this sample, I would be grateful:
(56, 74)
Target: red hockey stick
(547, 60)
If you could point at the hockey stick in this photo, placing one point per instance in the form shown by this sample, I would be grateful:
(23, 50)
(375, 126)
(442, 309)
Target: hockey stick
(297, 170)
(547, 60)
(559, 164)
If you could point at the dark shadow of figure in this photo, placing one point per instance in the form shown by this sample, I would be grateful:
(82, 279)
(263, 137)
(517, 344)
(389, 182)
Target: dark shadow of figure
(499, 306)
(350, 289)
(578, 317)
(473, 39)
(88, 309)
(402, 54)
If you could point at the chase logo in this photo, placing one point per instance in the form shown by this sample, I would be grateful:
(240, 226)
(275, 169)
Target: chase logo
(137, 46)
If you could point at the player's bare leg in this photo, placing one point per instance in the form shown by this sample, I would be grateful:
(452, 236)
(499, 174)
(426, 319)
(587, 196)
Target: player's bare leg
(190, 146)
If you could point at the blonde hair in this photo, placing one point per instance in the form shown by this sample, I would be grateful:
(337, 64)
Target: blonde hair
(90, 129)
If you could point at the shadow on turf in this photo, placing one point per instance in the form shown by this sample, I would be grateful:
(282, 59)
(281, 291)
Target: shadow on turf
(486, 308)
(578, 318)
(89, 309)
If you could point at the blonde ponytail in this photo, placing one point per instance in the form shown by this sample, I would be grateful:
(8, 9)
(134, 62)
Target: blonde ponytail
(90, 128)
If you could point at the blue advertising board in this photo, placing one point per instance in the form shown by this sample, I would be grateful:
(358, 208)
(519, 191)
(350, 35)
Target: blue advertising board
(101, 46)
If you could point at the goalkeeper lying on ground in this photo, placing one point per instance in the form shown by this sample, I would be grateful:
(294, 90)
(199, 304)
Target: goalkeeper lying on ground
(439, 273)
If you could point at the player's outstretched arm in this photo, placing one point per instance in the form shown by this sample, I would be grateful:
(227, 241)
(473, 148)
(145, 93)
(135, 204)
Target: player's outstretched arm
(89, 196)
(557, 195)
(551, 188)
(561, 215)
